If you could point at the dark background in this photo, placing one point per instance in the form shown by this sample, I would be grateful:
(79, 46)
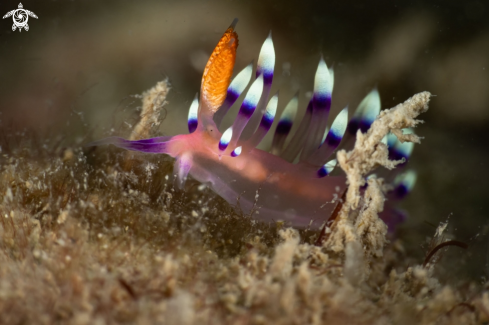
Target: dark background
(81, 60)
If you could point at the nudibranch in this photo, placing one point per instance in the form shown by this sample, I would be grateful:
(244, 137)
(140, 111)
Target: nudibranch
(292, 182)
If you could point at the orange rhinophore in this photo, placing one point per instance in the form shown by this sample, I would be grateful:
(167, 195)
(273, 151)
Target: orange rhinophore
(218, 71)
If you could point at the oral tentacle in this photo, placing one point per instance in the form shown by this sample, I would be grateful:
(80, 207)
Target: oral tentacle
(153, 145)
(181, 168)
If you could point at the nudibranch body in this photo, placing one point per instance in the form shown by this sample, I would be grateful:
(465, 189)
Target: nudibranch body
(303, 194)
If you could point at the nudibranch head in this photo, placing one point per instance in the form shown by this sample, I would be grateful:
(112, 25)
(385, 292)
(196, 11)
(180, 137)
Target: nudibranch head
(293, 182)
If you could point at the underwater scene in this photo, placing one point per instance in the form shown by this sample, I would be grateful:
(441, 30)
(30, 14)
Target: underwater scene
(244, 162)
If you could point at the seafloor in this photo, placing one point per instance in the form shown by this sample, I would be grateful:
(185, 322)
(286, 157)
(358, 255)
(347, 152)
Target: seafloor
(97, 236)
(101, 236)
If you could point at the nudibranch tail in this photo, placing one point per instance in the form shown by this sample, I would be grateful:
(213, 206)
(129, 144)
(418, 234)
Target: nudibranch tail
(217, 75)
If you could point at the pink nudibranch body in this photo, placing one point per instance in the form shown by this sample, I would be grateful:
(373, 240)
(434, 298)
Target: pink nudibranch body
(302, 194)
(282, 190)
